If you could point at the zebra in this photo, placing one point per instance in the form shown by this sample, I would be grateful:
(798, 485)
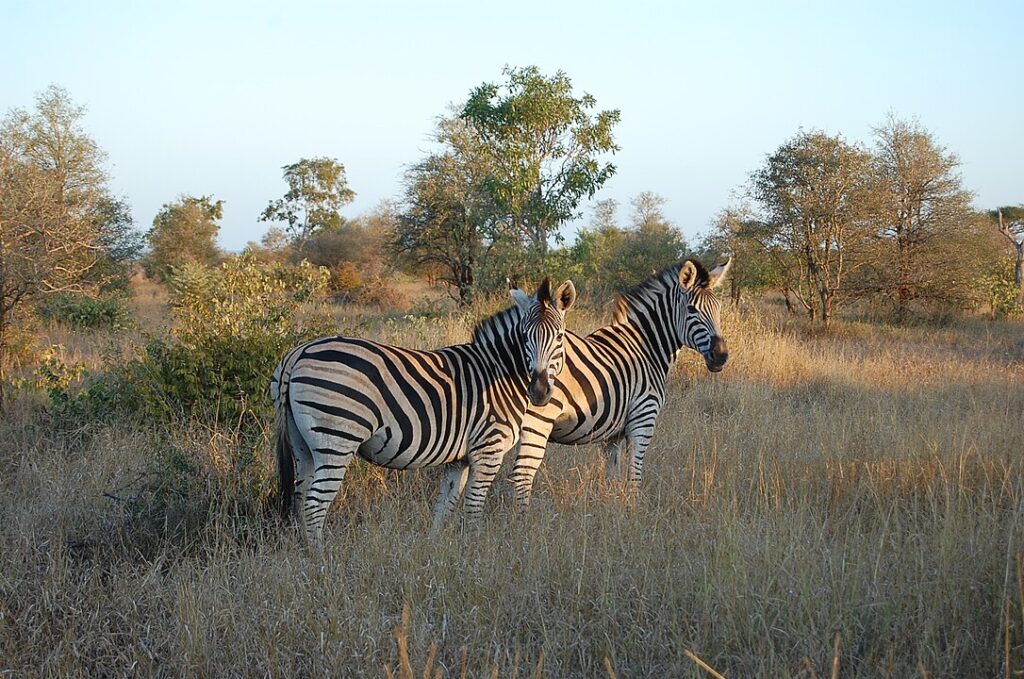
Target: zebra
(613, 385)
(460, 406)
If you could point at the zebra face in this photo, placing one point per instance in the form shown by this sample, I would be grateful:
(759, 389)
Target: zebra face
(542, 328)
(698, 319)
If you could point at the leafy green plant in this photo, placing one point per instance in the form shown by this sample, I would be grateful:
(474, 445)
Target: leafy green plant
(1003, 296)
(87, 312)
(233, 324)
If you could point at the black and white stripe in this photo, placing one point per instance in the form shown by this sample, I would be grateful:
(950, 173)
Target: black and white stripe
(461, 406)
(613, 385)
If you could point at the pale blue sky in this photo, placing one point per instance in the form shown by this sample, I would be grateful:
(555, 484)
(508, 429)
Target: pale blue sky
(214, 97)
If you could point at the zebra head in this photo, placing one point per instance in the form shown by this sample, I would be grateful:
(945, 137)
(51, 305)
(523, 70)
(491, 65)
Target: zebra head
(698, 315)
(542, 325)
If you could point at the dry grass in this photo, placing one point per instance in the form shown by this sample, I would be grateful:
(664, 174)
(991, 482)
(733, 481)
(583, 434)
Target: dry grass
(850, 500)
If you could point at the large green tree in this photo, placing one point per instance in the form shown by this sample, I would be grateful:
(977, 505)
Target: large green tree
(444, 223)
(184, 231)
(544, 148)
(52, 183)
(814, 198)
(317, 190)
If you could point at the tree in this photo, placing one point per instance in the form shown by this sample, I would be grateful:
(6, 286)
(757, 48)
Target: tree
(543, 148)
(925, 229)
(812, 191)
(1010, 222)
(758, 261)
(51, 184)
(184, 231)
(606, 257)
(652, 243)
(120, 244)
(317, 190)
(442, 225)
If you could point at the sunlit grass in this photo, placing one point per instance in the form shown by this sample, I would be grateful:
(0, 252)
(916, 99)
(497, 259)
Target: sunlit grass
(863, 485)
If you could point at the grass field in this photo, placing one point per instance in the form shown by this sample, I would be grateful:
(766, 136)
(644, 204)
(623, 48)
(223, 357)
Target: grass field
(850, 499)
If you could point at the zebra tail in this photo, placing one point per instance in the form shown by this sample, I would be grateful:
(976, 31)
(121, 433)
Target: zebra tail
(285, 460)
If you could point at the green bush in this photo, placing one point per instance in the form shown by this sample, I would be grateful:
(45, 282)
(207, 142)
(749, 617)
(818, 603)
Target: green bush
(233, 324)
(1002, 291)
(87, 312)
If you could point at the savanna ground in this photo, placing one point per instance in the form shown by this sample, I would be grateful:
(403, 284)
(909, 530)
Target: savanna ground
(850, 499)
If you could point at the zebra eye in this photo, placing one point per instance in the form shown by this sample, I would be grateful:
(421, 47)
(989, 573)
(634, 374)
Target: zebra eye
(691, 309)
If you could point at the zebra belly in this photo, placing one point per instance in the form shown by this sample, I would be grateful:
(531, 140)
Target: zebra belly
(570, 430)
(388, 450)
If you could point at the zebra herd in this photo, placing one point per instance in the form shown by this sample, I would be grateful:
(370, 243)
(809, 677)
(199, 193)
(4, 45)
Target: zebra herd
(522, 379)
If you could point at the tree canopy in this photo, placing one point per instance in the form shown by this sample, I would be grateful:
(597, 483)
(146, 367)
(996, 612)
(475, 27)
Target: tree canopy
(52, 184)
(317, 190)
(184, 232)
(544, 150)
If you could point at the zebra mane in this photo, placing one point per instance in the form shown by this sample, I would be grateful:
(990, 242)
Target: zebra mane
(656, 283)
(496, 326)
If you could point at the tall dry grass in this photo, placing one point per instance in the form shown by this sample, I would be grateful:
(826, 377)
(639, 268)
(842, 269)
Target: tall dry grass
(850, 498)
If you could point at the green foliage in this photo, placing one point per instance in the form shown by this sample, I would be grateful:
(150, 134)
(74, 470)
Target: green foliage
(813, 191)
(91, 313)
(120, 245)
(51, 182)
(55, 376)
(606, 258)
(543, 148)
(184, 232)
(233, 325)
(317, 190)
(446, 215)
(1001, 289)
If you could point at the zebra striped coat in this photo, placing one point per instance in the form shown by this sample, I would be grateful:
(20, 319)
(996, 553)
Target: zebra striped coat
(462, 406)
(613, 385)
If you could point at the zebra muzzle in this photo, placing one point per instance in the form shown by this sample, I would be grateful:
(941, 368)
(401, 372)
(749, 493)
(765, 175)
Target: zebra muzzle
(719, 354)
(540, 388)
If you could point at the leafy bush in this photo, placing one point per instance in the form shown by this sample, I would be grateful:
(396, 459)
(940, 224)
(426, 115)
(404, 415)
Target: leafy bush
(233, 324)
(87, 312)
(1002, 291)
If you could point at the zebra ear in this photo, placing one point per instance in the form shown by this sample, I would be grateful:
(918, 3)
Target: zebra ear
(565, 296)
(719, 273)
(522, 300)
(688, 275)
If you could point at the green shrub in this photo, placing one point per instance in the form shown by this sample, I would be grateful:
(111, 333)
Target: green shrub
(1002, 291)
(233, 324)
(87, 312)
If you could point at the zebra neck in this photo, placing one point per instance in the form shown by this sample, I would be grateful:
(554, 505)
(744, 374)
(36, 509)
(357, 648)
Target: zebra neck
(651, 312)
(498, 341)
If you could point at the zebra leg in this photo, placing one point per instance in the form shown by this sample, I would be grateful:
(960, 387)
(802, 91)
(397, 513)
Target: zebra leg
(636, 449)
(529, 455)
(613, 453)
(483, 467)
(303, 466)
(452, 485)
(329, 467)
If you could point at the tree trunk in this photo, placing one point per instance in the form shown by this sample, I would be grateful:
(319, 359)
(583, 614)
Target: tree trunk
(465, 278)
(789, 302)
